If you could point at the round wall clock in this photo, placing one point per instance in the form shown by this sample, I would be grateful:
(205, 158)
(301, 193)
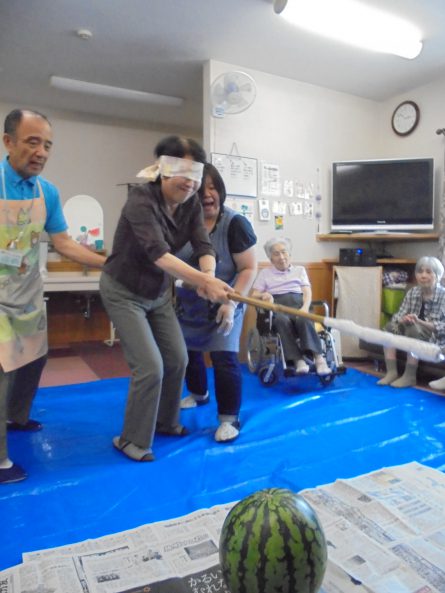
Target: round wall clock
(405, 118)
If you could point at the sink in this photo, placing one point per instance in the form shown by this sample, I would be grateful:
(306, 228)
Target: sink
(72, 281)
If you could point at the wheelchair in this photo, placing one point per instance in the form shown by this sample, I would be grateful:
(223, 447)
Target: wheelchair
(265, 355)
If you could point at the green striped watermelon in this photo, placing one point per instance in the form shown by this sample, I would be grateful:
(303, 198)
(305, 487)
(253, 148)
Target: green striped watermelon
(272, 542)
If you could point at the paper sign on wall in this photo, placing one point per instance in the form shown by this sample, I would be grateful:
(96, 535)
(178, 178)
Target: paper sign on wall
(288, 188)
(279, 208)
(270, 180)
(240, 174)
(263, 210)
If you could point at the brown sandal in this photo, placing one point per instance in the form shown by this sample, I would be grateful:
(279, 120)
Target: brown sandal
(174, 431)
(132, 451)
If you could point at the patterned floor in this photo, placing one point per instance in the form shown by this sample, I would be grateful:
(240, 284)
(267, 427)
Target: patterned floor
(82, 363)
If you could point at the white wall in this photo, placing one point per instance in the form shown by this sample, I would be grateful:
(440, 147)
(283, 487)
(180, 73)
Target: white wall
(92, 156)
(302, 128)
(298, 126)
(422, 142)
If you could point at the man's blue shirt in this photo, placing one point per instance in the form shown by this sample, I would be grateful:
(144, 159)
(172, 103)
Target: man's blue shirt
(18, 188)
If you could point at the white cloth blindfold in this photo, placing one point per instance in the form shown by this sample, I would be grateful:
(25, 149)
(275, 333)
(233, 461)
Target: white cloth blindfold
(171, 166)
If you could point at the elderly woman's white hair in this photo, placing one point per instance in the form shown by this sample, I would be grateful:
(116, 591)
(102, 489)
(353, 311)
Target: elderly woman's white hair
(270, 244)
(427, 261)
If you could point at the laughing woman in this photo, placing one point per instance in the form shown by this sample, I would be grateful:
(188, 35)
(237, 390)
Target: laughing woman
(217, 329)
(159, 218)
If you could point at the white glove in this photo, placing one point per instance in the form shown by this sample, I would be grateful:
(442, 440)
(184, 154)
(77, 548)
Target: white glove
(224, 318)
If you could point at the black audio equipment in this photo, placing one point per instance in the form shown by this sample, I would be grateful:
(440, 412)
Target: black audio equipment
(357, 257)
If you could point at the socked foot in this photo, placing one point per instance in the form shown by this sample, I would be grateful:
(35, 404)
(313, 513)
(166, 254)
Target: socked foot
(301, 368)
(322, 368)
(438, 383)
(404, 382)
(388, 379)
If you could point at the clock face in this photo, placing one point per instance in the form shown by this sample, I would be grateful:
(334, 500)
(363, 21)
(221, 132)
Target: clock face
(405, 118)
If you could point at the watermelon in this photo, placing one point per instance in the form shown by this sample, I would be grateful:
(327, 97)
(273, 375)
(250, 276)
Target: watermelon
(272, 542)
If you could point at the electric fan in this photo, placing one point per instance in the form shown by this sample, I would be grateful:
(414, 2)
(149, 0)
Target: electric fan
(232, 92)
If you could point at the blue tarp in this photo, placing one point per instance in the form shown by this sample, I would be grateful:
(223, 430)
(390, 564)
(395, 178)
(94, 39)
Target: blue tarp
(297, 434)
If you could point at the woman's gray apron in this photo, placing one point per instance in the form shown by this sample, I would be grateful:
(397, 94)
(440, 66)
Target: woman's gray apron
(196, 315)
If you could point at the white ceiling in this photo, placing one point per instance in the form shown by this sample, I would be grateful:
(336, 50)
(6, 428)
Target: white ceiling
(160, 46)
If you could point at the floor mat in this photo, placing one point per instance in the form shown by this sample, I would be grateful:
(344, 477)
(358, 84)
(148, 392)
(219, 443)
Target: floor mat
(297, 434)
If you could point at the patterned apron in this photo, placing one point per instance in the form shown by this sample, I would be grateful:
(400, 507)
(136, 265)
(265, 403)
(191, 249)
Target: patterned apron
(23, 336)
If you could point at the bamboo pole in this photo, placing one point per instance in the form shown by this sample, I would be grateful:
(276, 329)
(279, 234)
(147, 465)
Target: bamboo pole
(418, 348)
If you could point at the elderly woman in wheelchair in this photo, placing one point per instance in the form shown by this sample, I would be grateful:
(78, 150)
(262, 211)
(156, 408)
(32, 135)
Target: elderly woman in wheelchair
(298, 344)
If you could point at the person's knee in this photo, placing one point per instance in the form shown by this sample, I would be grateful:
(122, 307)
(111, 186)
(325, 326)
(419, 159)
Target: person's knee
(149, 374)
(195, 360)
(413, 331)
(225, 360)
(176, 363)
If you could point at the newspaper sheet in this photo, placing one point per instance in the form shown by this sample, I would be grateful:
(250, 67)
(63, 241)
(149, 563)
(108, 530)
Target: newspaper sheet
(385, 532)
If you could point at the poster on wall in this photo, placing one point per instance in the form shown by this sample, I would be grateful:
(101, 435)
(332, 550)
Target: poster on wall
(270, 180)
(240, 174)
(85, 219)
(243, 207)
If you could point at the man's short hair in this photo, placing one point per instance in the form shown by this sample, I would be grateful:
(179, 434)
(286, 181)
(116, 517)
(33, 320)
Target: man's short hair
(13, 119)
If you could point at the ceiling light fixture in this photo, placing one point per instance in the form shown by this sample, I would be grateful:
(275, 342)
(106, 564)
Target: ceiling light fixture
(113, 92)
(354, 23)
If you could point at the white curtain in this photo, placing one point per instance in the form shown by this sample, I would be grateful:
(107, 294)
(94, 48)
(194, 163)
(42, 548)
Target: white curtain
(359, 297)
(442, 222)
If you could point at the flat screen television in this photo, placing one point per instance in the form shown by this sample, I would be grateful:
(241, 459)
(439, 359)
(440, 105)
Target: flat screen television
(383, 195)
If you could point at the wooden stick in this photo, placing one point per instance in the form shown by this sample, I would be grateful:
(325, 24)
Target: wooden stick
(419, 348)
(234, 296)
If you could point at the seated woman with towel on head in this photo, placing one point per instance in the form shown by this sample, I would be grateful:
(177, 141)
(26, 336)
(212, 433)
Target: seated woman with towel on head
(289, 285)
(421, 316)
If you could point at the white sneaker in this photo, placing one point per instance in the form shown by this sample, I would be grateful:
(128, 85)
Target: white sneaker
(438, 383)
(227, 431)
(192, 401)
(302, 367)
(322, 368)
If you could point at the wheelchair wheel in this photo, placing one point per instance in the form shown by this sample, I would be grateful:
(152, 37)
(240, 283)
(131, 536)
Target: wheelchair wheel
(268, 377)
(255, 350)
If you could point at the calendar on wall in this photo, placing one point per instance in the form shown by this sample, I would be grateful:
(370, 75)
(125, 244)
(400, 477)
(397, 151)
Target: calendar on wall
(240, 174)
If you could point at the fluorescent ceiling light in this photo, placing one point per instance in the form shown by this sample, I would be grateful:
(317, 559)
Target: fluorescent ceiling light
(354, 23)
(113, 92)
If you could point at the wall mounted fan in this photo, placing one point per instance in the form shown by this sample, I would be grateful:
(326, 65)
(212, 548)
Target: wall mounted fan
(232, 92)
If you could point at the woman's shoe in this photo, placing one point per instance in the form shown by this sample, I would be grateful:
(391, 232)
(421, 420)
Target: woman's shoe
(132, 451)
(192, 401)
(12, 474)
(438, 383)
(227, 431)
(302, 367)
(322, 368)
(172, 431)
(30, 426)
